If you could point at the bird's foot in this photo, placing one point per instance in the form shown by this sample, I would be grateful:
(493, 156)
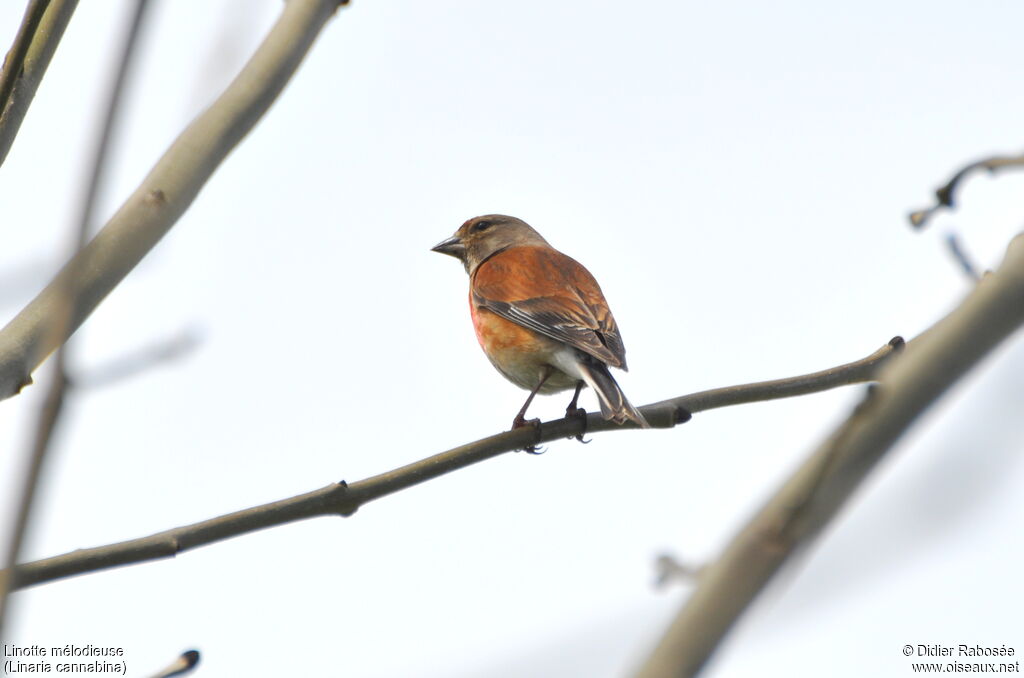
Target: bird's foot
(521, 422)
(573, 412)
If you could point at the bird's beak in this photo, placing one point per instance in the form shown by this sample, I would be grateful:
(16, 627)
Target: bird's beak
(453, 247)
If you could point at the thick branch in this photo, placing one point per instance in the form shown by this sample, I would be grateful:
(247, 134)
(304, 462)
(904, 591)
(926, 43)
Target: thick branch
(342, 499)
(164, 195)
(816, 492)
(26, 63)
(945, 194)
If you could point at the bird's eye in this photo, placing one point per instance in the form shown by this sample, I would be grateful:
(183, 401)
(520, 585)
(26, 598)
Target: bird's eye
(481, 226)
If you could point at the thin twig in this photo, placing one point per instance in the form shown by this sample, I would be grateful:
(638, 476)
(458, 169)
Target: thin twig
(945, 196)
(669, 569)
(26, 63)
(960, 256)
(164, 195)
(815, 493)
(64, 311)
(185, 663)
(343, 499)
(138, 361)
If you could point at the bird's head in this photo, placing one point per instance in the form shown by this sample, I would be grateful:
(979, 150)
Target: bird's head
(482, 237)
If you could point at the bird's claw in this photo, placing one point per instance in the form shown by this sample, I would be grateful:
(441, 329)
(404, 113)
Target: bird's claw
(522, 422)
(581, 414)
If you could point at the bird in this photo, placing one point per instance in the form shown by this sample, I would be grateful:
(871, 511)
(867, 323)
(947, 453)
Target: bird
(540, 316)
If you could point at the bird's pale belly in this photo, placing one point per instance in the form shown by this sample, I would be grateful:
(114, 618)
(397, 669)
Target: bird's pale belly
(520, 354)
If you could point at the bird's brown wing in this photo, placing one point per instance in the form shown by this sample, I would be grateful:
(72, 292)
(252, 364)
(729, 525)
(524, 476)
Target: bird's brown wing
(544, 290)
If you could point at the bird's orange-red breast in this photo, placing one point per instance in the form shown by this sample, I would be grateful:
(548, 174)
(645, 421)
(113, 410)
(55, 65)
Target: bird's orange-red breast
(539, 315)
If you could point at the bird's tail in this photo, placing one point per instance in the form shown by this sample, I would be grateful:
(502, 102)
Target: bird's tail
(614, 405)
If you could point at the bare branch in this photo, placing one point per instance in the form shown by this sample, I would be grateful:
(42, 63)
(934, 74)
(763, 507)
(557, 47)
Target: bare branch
(164, 194)
(139, 360)
(960, 256)
(26, 63)
(14, 62)
(843, 375)
(184, 664)
(343, 499)
(668, 570)
(64, 308)
(945, 194)
(815, 493)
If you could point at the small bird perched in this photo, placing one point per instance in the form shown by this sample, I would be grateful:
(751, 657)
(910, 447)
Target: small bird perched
(539, 315)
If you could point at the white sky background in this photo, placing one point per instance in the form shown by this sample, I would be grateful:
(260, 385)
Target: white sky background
(736, 175)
